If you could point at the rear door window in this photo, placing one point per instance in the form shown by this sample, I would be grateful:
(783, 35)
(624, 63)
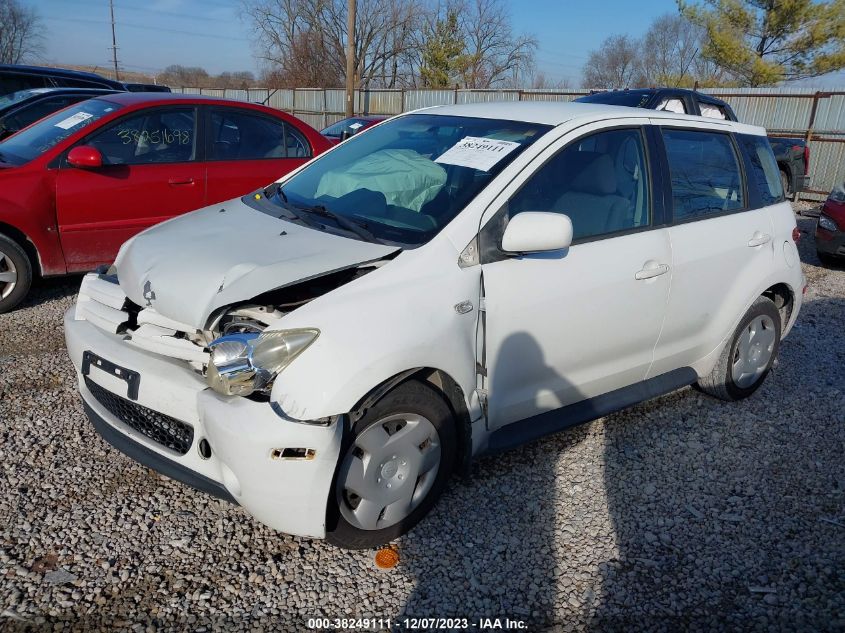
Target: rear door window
(705, 173)
(238, 135)
(713, 111)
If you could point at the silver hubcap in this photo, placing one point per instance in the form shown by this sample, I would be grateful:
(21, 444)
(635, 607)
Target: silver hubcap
(8, 276)
(753, 351)
(388, 471)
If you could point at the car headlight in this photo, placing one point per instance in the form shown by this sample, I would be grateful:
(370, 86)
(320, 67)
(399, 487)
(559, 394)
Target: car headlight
(827, 223)
(243, 363)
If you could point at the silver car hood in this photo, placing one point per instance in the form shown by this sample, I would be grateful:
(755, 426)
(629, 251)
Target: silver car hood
(189, 266)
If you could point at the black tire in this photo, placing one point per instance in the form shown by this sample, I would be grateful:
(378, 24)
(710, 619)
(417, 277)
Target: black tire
(720, 383)
(411, 397)
(22, 267)
(784, 181)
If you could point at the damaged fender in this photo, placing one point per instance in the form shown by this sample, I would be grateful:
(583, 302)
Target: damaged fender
(358, 349)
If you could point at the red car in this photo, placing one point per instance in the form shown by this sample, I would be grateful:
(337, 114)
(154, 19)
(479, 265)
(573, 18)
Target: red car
(830, 230)
(77, 184)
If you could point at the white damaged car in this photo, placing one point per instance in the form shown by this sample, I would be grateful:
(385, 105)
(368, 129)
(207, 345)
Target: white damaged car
(454, 282)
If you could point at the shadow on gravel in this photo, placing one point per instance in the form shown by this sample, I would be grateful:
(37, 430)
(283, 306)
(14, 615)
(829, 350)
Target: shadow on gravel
(51, 288)
(500, 562)
(730, 515)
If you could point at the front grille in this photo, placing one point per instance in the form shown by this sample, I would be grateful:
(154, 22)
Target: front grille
(160, 428)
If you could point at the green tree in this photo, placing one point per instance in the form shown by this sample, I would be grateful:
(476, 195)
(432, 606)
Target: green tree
(443, 53)
(762, 42)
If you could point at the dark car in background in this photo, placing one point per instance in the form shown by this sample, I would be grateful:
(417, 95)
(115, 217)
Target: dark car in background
(24, 107)
(345, 128)
(669, 99)
(792, 154)
(15, 77)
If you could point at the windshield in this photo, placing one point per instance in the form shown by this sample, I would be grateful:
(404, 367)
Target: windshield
(20, 95)
(404, 180)
(632, 99)
(48, 132)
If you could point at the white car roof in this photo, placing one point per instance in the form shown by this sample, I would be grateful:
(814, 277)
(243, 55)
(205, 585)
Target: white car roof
(558, 112)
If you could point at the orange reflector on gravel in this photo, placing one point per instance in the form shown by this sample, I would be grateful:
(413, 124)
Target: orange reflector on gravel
(386, 558)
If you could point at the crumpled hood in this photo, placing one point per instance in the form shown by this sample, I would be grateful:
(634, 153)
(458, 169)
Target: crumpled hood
(191, 265)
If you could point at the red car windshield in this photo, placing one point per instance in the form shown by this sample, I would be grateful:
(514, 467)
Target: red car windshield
(33, 141)
(351, 126)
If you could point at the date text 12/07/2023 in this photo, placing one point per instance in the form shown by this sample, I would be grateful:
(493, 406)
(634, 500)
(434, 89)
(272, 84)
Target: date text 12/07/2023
(418, 624)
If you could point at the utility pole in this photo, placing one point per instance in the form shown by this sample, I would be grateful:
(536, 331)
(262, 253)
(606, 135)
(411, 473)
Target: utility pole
(114, 42)
(350, 59)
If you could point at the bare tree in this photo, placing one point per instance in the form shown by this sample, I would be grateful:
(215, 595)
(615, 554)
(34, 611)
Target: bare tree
(614, 64)
(305, 39)
(494, 53)
(670, 50)
(20, 32)
(178, 75)
(539, 81)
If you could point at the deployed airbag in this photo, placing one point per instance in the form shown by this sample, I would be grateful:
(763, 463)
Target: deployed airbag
(406, 178)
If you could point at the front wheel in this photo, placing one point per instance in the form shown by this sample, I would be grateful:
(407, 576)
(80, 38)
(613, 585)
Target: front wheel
(395, 465)
(15, 274)
(747, 359)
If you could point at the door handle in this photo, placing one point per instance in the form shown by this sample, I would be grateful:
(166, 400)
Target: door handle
(758, 239)
(652, 269)
(180, 181)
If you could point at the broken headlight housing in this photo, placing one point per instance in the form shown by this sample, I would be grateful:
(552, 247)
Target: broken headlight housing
(247, 362)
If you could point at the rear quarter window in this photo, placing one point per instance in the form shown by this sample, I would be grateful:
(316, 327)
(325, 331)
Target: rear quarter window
(764, 183)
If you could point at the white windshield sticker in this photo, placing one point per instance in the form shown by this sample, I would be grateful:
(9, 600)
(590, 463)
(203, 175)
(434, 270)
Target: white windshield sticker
(477, 152)
(355, 126)
(75, 119)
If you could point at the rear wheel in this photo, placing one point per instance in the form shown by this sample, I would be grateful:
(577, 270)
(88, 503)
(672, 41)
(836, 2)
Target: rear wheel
(394, 467)
(15, 274)
(784, 181)
(747, 359)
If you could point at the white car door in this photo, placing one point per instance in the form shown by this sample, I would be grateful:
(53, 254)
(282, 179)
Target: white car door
(721, 248)
(568, 325)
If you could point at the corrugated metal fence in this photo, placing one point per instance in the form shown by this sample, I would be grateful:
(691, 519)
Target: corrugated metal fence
(818, 117)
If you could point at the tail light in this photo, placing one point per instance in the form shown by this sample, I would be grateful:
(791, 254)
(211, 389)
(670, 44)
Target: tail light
(796, 235)
(806, 159)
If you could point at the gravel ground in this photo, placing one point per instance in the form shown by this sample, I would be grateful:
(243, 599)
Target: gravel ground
(683, 512)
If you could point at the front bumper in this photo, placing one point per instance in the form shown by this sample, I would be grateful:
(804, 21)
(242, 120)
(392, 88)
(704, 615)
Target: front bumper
(247, 438)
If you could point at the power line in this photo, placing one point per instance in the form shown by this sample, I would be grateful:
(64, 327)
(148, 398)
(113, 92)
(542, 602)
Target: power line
(150, 28)
(187, 16)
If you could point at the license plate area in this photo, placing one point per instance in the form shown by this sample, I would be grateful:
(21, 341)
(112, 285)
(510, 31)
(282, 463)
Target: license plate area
(130, 377)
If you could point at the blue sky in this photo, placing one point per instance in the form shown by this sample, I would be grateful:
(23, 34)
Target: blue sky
(210, 33)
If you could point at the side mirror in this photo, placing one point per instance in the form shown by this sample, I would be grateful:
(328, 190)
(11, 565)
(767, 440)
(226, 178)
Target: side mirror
(537, 231)
(85, 157)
